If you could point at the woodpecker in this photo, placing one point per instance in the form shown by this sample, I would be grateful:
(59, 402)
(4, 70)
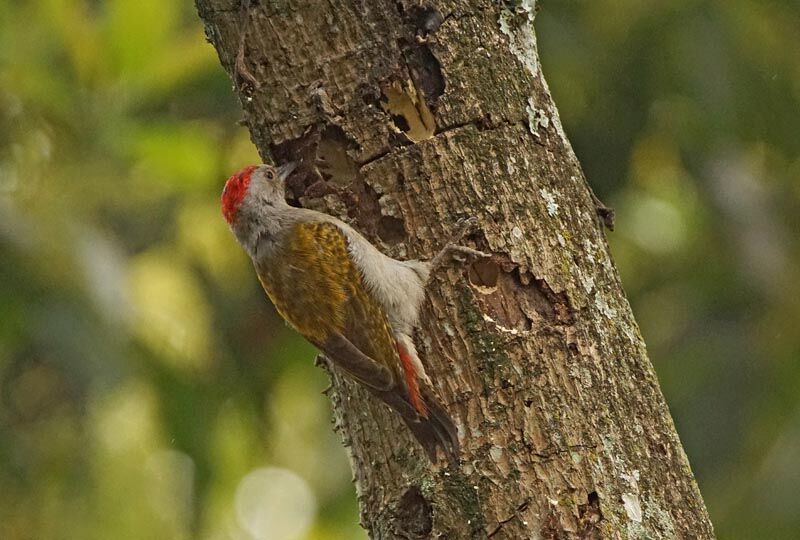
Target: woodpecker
(355, 304)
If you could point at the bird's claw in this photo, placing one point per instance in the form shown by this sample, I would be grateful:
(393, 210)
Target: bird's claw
(464, 226)
(454, 250)
(465, 253)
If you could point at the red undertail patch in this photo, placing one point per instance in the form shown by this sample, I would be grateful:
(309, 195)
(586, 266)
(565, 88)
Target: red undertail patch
(412, 380)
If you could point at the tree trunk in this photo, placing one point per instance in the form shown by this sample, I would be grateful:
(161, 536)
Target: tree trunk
(406, 117)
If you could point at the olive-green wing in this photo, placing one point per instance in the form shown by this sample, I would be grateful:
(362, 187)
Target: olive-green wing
(317, 288)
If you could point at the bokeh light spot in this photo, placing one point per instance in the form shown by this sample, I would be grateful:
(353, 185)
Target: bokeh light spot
(274, 504)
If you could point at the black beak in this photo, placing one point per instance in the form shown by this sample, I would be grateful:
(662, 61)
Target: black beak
(286, 169)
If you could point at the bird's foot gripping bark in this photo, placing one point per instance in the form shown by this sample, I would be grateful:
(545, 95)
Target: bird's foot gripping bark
(452, 249)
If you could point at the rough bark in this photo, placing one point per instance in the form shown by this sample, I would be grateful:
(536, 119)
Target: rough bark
(407, 116)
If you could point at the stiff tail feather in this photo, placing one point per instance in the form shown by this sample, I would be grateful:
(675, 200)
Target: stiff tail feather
(434, 431)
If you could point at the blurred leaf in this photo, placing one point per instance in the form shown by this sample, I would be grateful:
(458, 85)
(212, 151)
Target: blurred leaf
(171, 314)
(179, 156)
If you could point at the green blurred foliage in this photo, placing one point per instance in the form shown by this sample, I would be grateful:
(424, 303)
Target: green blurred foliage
(147, 389)
(143, 376)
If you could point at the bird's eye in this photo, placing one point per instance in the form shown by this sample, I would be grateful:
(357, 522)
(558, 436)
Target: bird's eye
(270, 175)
